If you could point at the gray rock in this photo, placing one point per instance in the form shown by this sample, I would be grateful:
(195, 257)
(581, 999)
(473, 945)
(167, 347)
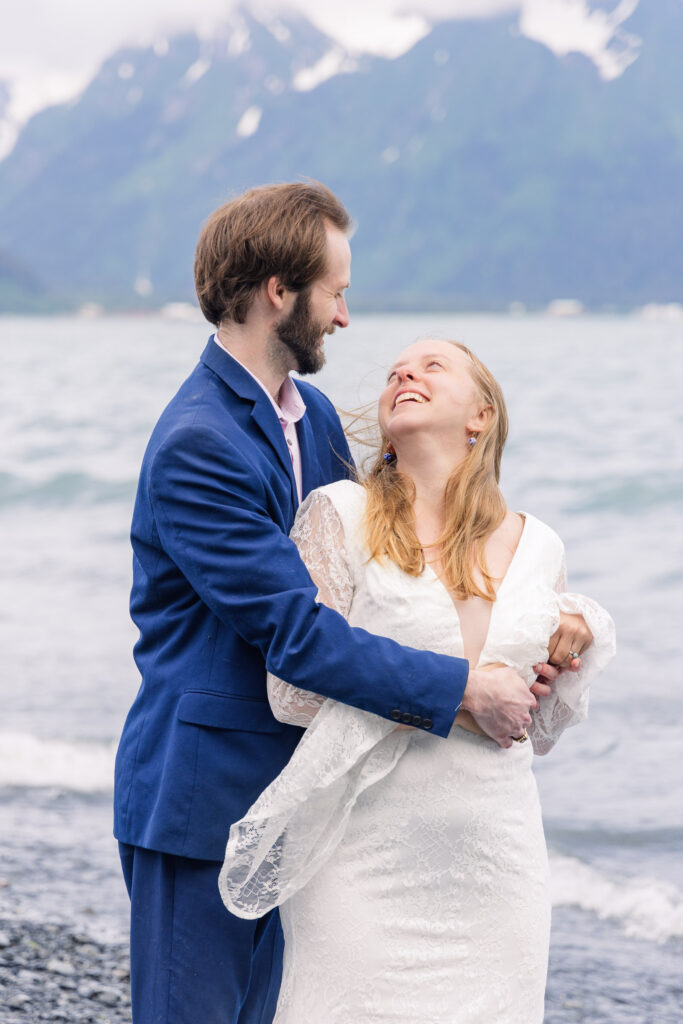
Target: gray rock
(18, 1001)
(5, 940)
(108, 996)
(47, 973)
(26, 977)
(63, 967)
(89, 989)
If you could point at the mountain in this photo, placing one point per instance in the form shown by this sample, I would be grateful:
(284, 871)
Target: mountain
(20, 290)
(480, 169)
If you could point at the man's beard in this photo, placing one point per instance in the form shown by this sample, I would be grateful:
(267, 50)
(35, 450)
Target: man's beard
(302, 335)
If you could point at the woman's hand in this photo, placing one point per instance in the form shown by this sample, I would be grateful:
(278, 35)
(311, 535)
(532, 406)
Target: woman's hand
(569, 640)
(545, 674)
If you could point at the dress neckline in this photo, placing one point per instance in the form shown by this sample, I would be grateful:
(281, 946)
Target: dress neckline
(429, 572)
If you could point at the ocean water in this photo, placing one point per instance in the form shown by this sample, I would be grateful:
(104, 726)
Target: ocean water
(595, 449)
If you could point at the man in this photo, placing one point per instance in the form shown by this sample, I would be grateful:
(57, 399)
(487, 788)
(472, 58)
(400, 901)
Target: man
(220, 594)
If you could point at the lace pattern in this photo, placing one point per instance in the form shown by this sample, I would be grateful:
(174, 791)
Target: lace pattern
(319, 535)
(410, 870)
(567, 705)
(297, 822)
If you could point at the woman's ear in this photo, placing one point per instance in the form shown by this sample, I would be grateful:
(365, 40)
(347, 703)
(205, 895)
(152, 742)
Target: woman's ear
(481, 419)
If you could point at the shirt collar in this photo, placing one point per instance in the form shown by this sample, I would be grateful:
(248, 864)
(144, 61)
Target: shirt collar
(292, 406)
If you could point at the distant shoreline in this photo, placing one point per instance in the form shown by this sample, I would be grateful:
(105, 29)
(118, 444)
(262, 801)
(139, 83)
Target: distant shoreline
(186, 312)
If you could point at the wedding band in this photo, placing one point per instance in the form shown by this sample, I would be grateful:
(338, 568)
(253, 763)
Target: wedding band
(573, 655)
(520, 739)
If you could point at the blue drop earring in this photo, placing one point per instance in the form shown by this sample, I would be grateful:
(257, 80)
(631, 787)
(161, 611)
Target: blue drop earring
(390, 454)
(471, 441)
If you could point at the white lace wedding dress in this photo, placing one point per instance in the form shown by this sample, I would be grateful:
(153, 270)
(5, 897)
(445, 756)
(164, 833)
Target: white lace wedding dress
(411, 870)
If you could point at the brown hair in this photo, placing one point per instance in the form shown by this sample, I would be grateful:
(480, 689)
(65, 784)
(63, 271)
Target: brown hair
(473, 503)
(275, 230)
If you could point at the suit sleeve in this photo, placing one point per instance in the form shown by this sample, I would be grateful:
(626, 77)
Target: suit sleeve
(211, 512)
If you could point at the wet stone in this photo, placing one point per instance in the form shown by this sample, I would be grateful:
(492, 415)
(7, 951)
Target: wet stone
(61, 967)
(26, 977)
(108, 996)
(88, 990)
(18, 1001)
(48, 973)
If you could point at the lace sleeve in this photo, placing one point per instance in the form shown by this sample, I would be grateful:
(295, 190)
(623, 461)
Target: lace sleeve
(319, 535)
(567, 705)
(297, 822)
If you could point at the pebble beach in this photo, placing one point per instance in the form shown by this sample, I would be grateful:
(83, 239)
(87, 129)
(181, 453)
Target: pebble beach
(50, 973)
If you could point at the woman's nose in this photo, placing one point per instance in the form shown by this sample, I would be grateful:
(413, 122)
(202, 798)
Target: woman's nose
(405, 373)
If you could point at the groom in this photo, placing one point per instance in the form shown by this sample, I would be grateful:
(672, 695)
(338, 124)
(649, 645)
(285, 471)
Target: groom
(220, 595)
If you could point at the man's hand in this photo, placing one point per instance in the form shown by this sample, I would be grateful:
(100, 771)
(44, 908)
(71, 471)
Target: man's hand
(499, 701)
(571, 637)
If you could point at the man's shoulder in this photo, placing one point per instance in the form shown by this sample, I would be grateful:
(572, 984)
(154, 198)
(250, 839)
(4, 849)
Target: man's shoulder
(200, 397)
(199, 410)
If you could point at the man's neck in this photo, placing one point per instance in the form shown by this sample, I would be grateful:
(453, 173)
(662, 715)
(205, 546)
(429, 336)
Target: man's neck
(255, 351)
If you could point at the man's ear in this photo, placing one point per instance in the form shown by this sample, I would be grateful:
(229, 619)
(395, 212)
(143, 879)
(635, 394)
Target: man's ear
(275, 292)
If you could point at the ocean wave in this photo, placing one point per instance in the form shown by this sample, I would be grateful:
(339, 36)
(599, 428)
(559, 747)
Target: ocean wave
(31, 762)
(644, 907)
(64, 488)
(628, 495)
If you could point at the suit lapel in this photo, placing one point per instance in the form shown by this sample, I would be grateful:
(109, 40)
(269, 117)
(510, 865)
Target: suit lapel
(310, 467)
(242, 384)
(266, 418)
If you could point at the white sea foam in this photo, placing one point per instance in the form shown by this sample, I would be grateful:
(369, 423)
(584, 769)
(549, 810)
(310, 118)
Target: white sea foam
(644, 907)
(26, 760)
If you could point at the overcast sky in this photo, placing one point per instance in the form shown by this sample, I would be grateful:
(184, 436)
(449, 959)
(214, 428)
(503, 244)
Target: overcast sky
(49, 48)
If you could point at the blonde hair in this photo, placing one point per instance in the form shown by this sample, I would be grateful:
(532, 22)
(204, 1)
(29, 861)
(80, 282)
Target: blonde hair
(473, 503)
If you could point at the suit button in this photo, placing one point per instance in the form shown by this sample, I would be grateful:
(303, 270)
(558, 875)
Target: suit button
(396, 715)
(416, 720)
(427, 723)
(406, 718)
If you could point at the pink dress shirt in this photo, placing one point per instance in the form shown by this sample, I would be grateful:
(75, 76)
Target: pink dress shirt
(289, 411)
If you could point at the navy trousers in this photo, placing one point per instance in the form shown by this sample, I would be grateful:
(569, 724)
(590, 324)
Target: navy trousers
(192, 962)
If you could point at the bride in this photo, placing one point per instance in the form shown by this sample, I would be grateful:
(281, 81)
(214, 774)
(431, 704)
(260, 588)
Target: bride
(411, 871)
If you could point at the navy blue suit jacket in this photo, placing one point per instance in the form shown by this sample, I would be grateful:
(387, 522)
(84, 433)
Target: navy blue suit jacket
(219, 595)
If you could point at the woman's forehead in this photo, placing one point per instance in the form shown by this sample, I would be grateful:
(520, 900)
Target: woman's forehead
(431, 346)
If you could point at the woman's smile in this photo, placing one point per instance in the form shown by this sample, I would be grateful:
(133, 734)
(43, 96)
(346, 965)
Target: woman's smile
(409, 396)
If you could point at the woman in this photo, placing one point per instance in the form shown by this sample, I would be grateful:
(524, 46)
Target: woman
(412, 871)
